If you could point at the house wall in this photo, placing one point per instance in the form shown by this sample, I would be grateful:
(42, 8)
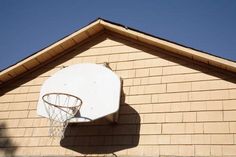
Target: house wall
(169, 106)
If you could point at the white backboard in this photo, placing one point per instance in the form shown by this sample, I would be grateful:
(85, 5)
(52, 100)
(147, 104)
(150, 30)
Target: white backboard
(97, 86)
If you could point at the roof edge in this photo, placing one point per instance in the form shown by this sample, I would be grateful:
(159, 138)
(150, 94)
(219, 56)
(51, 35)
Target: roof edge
(188, 52)
(96, 26)
(51, 50)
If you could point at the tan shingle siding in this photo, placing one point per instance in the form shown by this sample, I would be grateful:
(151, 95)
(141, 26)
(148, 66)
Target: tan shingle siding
(173, 108)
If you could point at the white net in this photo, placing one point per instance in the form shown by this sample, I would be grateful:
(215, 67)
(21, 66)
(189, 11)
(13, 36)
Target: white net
(60, 108)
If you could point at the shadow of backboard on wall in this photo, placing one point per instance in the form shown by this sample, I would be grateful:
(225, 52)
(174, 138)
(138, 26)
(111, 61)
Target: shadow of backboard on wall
(102, 137)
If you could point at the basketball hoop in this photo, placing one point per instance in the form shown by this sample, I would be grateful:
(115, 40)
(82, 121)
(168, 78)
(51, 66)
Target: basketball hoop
(60, 107)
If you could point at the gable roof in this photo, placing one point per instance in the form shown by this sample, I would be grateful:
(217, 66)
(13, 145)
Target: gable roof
(98, 25)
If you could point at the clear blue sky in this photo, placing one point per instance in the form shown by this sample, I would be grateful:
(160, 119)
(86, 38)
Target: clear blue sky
(27, 26)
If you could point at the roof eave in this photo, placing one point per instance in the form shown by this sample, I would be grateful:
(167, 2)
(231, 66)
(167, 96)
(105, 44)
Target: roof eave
(99, 25)
(172, 47)
(50, 51)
